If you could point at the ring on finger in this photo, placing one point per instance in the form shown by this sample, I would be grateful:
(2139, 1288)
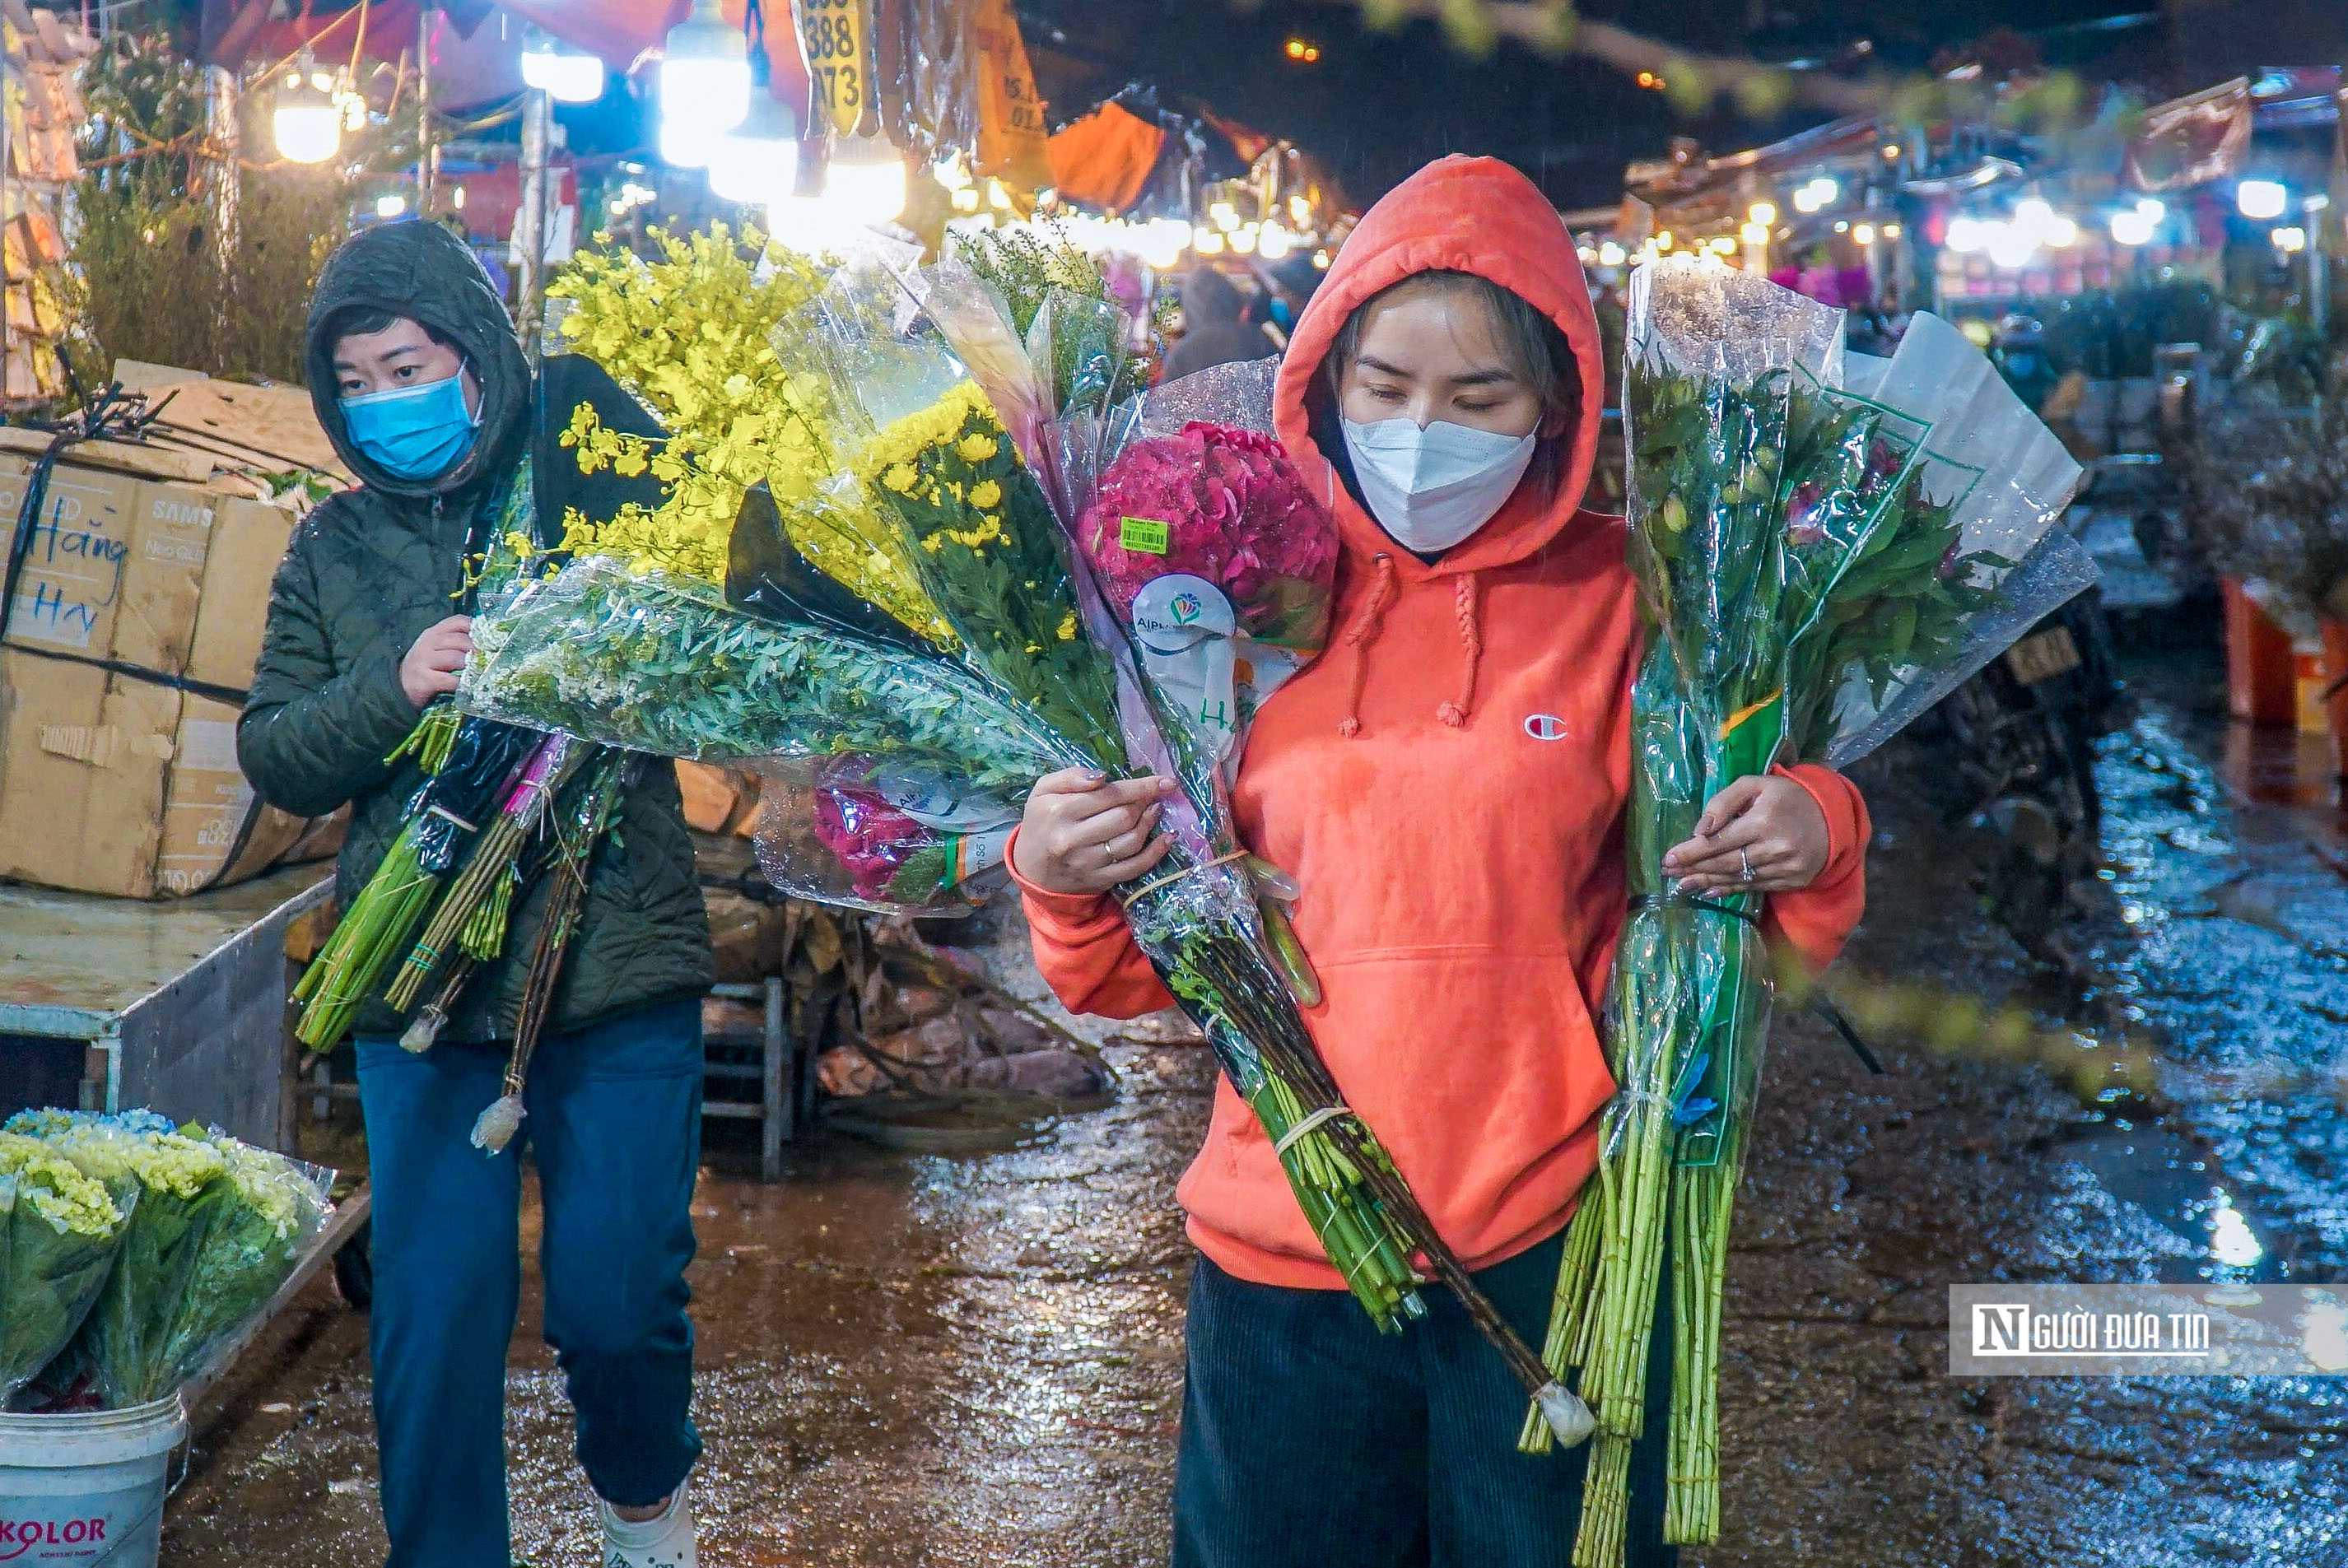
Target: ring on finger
(1744, 869)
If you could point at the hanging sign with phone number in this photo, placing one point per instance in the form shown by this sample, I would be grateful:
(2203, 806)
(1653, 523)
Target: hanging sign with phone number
(838, 38)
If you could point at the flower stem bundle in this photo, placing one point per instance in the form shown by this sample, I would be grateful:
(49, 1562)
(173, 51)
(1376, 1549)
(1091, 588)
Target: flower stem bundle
(488, 873)
(588, 819)
(1822, 547)
(477, 761)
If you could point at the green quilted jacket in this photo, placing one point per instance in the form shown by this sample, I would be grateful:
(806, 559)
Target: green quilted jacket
(370, 568)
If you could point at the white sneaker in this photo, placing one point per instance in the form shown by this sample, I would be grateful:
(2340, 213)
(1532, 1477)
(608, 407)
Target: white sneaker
(663, 1541)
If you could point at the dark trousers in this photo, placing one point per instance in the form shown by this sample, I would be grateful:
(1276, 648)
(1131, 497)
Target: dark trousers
(1309, 1439)
(614, 1126)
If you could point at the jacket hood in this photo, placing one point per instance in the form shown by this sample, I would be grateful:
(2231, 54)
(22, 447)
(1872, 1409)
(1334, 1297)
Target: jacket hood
(1467, 215)
(419, 270)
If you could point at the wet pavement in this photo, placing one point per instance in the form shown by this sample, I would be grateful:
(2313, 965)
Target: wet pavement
(975, 1358)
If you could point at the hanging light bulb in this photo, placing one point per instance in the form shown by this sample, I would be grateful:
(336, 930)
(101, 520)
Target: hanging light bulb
(307, 123)
(705, 82)
(866, 182)
(1163, 241)
(2010, 246)
(688, 143)
(565, 75)
(758, 161)
(953, 170)
(2261, 199)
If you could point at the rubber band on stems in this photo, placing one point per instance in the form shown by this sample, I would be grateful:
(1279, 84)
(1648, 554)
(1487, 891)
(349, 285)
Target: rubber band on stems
(1155, 883)
(1296, 1135)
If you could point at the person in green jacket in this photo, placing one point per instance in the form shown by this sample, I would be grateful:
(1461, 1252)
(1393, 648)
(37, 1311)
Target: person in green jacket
(420, 381)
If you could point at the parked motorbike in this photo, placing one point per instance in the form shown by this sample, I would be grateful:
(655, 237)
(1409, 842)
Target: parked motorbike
(2018, 742)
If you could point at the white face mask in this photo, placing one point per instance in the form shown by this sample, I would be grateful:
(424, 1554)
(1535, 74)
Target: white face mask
(1431, 488)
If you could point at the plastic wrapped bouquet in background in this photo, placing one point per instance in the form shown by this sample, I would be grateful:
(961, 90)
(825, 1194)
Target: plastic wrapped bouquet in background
(208, 1227)
(63, 1229)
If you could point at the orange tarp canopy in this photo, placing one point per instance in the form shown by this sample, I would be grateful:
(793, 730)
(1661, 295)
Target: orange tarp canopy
(1105, 159)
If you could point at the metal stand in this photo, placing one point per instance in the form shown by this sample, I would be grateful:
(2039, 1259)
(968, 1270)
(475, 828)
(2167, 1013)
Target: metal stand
(786, 1087)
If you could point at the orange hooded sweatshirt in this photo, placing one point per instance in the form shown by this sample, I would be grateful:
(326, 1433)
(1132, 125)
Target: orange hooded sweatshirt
(1447, 782)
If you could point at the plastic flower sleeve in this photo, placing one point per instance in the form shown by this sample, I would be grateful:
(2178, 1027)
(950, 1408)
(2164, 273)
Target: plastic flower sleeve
(867, 834)
(124, 1342)
(2057, 569)
(64, 1230)
(1213, 556)
(663, 664)
(933, 457)
(276, 1205)
(2006, 481)
(1806, 531)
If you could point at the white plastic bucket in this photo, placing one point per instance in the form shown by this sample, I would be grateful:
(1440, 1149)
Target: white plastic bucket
(87, 1488)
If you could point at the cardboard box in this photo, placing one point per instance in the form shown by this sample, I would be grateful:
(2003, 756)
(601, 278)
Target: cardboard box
(136, 626)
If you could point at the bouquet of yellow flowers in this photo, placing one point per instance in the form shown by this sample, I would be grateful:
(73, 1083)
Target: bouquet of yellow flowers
(704, 335)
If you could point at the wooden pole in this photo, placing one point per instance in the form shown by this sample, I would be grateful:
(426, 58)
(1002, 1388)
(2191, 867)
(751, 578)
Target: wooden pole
(428, 153)
(224, 138)
(530, 223)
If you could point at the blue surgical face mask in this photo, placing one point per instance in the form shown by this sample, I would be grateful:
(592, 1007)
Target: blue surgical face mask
(413, 432)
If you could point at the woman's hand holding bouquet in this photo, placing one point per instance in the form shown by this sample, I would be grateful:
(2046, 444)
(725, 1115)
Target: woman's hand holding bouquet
(1085, 833)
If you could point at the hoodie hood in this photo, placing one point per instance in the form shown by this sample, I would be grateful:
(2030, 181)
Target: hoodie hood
(421, 271)
(1464, 215)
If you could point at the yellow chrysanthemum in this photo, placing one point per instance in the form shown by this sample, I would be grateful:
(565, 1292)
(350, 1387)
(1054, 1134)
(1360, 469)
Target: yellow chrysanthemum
(990, 528)
(976, 448)
(1068, 627)
(900, 478)
(986, 493)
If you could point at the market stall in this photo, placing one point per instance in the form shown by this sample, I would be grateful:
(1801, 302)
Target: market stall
(110, 1003)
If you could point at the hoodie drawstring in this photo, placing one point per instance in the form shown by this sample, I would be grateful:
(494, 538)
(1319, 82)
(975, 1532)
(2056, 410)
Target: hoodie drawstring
(1358, 638)
(1370, 618)
(1471, 639)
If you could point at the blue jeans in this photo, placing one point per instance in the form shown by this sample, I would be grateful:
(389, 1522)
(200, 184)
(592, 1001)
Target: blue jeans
(614, 1124)
(1309, 1437)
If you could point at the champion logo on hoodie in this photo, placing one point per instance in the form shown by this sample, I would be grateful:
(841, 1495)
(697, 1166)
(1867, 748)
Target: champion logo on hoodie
(1545, 726)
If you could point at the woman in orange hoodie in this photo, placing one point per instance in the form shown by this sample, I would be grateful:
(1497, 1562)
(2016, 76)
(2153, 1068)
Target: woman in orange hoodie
(1447, 783)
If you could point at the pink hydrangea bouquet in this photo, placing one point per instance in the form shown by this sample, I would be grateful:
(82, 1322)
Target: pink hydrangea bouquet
(1222, 504)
